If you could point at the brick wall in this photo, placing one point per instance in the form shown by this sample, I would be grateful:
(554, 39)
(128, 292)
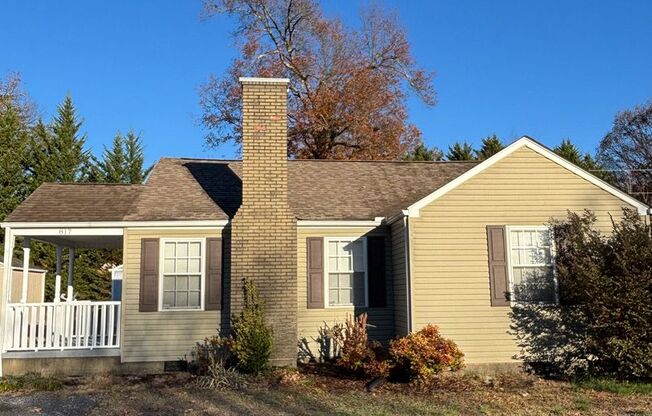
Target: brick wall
(264, 229)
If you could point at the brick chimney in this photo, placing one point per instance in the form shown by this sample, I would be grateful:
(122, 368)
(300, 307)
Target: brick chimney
(264, 230)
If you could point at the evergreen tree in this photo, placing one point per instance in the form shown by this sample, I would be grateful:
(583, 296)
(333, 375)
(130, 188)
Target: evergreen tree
(124, 162)
(60, 155)
(112, 166)
(460, 151)
(423, 153)
(569, 151)
(490, 146)
(13, 147)
(135, 171)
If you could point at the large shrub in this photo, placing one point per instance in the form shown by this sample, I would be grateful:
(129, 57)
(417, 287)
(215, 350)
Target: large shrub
(602, 326)
(251, 345)
(423, 354)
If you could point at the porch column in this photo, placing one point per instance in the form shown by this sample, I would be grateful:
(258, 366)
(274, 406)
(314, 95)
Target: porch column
(57, 277)
(26, 251)
(6, 289)
(71, 270)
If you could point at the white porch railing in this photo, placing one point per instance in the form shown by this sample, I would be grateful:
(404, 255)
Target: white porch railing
(62, 326)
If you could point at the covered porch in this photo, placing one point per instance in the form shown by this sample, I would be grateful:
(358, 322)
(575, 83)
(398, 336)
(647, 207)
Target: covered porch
(66, 326)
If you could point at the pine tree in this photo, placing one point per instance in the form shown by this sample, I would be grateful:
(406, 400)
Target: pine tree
(59, 154)
(490, 146)
(13, 147)
(112, 166)
(135, 171)
(423, 153)
(460, 151)
(123, 162)
(569, 151)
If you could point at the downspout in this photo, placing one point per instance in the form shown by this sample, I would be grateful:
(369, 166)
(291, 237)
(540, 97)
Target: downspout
(408, 285)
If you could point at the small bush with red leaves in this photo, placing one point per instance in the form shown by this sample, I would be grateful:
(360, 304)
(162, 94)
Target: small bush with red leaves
(422, 355)
(354, 350)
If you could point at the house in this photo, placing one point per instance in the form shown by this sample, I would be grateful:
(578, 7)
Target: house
(35, 287)
(410, 243)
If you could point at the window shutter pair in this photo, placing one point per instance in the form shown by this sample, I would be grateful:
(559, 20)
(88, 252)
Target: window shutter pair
(375, 271)
(150, 278)
(498, 273)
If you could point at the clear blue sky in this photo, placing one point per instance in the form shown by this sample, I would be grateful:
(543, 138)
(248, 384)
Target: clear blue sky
(548, 69)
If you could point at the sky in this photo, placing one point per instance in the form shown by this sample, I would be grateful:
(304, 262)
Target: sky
(547, 69)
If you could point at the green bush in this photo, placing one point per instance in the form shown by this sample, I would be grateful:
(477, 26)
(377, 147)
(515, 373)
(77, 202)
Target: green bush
(252, 338)
(29, 381)
(602, 324)
(423, 354)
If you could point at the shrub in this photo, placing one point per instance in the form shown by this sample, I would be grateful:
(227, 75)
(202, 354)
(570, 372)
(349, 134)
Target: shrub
(423, 354)
(601, 327)
(210, 350)
(252, 337)
(353, 349)
(27, 382)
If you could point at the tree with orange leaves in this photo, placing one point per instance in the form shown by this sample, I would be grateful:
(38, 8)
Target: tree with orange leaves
(348, 88)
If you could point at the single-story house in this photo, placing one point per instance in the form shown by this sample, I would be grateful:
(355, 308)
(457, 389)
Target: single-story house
(409, 243)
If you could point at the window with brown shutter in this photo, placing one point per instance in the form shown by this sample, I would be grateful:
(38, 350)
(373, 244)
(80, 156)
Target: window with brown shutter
(213, 300)
(376, 271)
(315, 272)
(498, 274)
(149, 253)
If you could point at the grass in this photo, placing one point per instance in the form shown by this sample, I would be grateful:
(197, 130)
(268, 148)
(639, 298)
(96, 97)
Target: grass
(29, 382)
(615, 386)
(291, 392)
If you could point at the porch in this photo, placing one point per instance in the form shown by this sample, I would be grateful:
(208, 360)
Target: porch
(65, 326)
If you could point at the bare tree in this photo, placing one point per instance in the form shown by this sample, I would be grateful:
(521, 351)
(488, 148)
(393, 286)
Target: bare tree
(627, 151)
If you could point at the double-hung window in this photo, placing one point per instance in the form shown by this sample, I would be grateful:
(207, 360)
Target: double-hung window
(531, 268)
(182, 274)
(346, 272)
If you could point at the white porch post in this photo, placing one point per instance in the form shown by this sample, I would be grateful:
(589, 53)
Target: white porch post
(6, 289)
(71, 270)
(26, 251)
(57, 277)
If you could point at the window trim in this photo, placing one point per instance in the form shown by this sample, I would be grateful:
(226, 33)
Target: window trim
(202, 269)
(510, 267)
(326, 263)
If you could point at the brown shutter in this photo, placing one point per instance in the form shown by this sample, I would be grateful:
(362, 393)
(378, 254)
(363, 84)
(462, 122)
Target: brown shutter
(149, 277)
(315, 261)
(213, 301)
(376, 271)
(498, 275)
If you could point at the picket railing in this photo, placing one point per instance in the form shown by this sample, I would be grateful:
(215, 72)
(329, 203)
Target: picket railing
(62, 326)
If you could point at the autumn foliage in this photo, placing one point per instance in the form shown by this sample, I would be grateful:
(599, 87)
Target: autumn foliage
(348, 88)
(423, 354)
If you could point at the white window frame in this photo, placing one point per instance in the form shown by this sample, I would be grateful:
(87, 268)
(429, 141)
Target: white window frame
(510, 267)
(202, 269)
(326, 263)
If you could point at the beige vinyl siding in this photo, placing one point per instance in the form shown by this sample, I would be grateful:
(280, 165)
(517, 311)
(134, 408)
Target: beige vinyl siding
(310, 320)
(398, 279)
(159, 336)
(35, 286)
(449, 245)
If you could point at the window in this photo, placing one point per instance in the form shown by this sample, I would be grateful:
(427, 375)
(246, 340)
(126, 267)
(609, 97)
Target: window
(531, 269)
(347, 272)
(183, 273)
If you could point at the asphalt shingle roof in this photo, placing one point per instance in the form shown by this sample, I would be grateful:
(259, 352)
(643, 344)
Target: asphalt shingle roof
(197, 189)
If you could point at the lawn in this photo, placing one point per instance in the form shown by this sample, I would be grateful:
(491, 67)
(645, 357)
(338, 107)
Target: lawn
(305, 393)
